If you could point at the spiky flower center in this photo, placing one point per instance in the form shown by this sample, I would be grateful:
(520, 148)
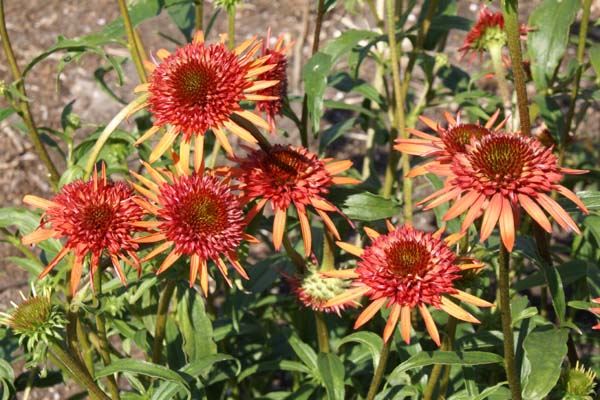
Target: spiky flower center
(501, 158)
(408, 258)
(195, 82)
(287, 166)
(202, 213)
(31, 315)
(97, 217)
(458, 136)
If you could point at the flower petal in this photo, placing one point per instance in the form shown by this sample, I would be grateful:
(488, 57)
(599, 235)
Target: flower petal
(368, 313)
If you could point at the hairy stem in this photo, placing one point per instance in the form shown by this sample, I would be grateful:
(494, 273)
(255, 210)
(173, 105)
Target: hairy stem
(380, 370)
(507, 331)
(436, 372)
(24, 110)
(161, 320)
(198, 14)
(495, 51)
(132, 42)
(511, 26)
(322, 333)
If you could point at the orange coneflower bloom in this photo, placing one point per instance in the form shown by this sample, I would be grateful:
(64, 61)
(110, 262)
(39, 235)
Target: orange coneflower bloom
(291, 175)
(596, 310)
(278, 73)
(487, 31)
(196, 215)
(451, 140)
(200, 87)
(403, 270)
(94, 216)
(497, 175)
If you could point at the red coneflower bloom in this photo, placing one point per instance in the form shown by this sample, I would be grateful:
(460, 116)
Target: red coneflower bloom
(596, 310)
(94, 216)
(487, 31)
(402, 270)
(314, 291)
(500, 173)
(200, 87)
(291, 175)
(278, 73)
(196, 215)
(451, 140)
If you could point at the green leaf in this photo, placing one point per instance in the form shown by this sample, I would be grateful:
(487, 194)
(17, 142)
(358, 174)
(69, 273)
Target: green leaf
(424, 359)
(552, 115)
(314, 75)
(184, 17)
(556, 290)
(548, 43)
(195, 326)
(334, 132)
(544, 351)
(369, 207)
(136, 366)
(332, 371)
(72, 173)
(305, 353)
(6, 112)
(26, 220)
(595, 59)
(591, 200)
(372, 341)
(339, 46)
(267, 366)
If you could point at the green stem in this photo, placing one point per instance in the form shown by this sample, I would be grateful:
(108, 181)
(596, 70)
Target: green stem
(101, 328)
(380, 370)
(161, 320)
(322, 333)
(375, 14)
(328, 262)
(24, 111)
(231, 27)
(315, 48)
(507, 331)
(294, 256)
(398, 128)
(583, 29)
(199, 14)
(77, 372)
(436, 372)
(133, 45)
(495, 50)
(86, 352)
(511, 26)
(263, 142)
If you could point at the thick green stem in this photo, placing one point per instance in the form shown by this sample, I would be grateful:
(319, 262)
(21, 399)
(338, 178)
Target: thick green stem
(398, 128)
(583, 29)
(161, 320)
(101, 328)
(322, 333)
(132, 42)
(231, 27)
(511, 26)
(198, 14)
(436, 372)
(380, 370)
(77, 372)
(24, 111)
(327, 264)
(507, 331)
(86, 352)
(495, 50)
(315, 48)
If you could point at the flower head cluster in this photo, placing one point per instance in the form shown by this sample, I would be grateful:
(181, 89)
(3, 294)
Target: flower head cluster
(196, 215)
(200, 87)
(577, 383)
(288, 175)
(403, 270)
(96, 216)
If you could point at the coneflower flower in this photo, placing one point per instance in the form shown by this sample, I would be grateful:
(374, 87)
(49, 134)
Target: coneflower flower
(197, 216)
(93, 216)
(451, 140)
(499, 174)
(487, 31)
(200, 87)
(278, 73)
(596, 310)
(403, 270)
(286, 176)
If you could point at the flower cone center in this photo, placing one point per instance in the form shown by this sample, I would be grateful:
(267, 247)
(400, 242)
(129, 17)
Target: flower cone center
(202, 213)
(97, 217)
(501, 158)
(460, 135)
(287, 166)
(31, 315)
(407, 258)
(194, 82)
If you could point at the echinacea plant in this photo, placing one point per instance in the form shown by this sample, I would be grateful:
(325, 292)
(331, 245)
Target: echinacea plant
(306, 206)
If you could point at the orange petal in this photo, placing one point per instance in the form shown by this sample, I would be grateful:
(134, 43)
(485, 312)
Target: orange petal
(204, 277)
(573, 197)
(534, 211)
(347, 296)
(457, 312)
(422, 135)
(338, 167)
(149, 133)
(194, 266)
(405, 323)
(472, 214)
(430, 323)
(145, 181)
(329, 223)
(260, 70)
(261, 85)
(350, 248)
(143, 87)
(557, 212)
(223, 268)
(371, 233)
(232, 257)
(148, 193)
(462, 205)
(255, 119)
(507, 225)
(155, 237)
(76, 274)
(322, 204)
(61, 254)
(278, 227)
(345, 180)
(469, 298)
(117, 266)
(168, 261)
(240, 132)
(340, 274)
(162, 54)
(162, 247)
(222, 138)
(183, 166)
(244, 45)
(163, 145)
(198, 37)
(392, 321)
(38, 202)
(368, 313)
(490, 217)
(198, 153)
(443, 198)
(38, 235)
(306, 234)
